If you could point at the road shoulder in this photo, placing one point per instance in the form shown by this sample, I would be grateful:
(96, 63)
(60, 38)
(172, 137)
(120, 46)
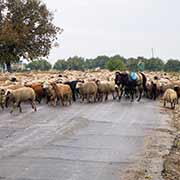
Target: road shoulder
(157, 145)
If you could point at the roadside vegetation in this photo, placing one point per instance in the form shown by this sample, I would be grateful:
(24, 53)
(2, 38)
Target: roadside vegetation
(116, 62)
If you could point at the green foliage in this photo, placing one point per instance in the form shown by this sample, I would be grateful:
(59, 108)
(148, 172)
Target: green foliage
(172, 66)
(132, 64)
(115, 63)
(76, 63)
(100, 62)
(60, 65)
(72, 63)
(26, 28)
(41, 65)
(154, 64)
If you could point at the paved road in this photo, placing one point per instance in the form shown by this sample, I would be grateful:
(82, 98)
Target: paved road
(81, 142)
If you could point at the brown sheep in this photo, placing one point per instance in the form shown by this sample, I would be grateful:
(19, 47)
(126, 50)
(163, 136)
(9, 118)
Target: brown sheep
(170, 96)
(63, 92)
(50, 93)
(38, 89)
(177, 89)
(21, 95)
(88, 90)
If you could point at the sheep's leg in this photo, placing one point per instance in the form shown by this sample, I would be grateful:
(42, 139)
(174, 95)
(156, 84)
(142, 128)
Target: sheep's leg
(74, 96)
(6, 102)
(140, 93)
(62, 101)
(121, 93)
(94, 98)
(106, 98)
(33, 105)
(38, 99)
(82, 98)
(101, 97)
(164, 103)
(172, 106)
(13, 108)
(69, 99)
(54, 102)
(2, 106)
(132, 95)
(19, 105)
(117, 92)
(88, 98)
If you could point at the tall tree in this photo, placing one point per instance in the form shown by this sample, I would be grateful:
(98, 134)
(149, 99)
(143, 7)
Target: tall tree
(115, 64)
(76, 63)
(172, 66)
(100, 61)
(61, 65)
(154, 64)
(26, 28)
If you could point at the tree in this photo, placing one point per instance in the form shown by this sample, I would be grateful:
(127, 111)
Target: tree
(172, 66)
(115, 64)
(42, 65)
(61, 65)
(100, 61)
(25, 28)
(76, 63)
(154, 64)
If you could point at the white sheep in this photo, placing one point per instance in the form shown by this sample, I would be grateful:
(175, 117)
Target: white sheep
(170, 96)
(21, 95)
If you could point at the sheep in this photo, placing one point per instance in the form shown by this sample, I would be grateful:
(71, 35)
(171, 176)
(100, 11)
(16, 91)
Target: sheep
(73, 85)
(105, 88)
(88, 90)
(38, 89)
(21, 95)
(50, 93)
(114, 89)
(63, 92)
(170, 96)
(11, 87)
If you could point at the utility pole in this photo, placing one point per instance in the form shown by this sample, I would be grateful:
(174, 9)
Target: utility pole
(152, 50)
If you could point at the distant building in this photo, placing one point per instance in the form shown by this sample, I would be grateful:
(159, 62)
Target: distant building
(21, 65)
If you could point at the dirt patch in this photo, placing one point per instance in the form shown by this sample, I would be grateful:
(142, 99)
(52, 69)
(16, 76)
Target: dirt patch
(171, 165)
(158, 144)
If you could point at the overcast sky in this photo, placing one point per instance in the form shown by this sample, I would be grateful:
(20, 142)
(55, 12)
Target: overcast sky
(108, 27)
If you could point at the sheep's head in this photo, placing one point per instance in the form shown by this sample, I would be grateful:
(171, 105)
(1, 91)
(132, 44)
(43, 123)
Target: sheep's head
(2, 91)
(9, 95)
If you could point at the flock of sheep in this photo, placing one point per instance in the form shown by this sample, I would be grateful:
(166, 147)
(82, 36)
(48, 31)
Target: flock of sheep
(63, 88)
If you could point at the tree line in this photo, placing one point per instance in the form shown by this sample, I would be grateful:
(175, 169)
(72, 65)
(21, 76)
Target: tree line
(116, 62)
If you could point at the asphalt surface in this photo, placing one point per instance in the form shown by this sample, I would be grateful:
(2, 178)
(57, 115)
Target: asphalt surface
(80, 142)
